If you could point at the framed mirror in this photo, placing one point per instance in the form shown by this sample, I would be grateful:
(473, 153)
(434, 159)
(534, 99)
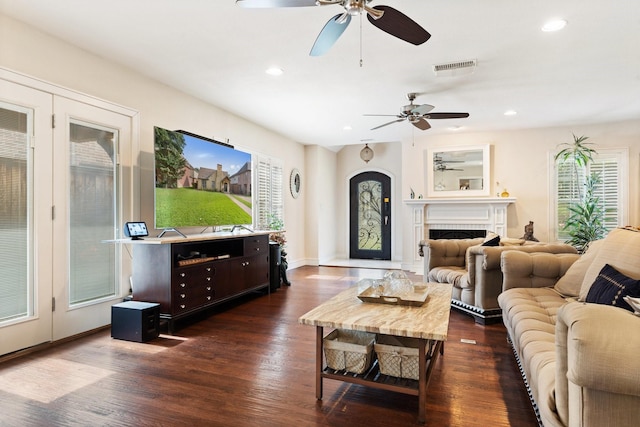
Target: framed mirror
(458, 171)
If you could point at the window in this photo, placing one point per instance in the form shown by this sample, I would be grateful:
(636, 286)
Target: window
(611, 165)
(269, 200)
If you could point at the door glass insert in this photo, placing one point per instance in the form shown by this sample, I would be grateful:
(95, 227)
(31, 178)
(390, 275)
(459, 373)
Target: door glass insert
(16, 286)
(92, 212)
(370, 215)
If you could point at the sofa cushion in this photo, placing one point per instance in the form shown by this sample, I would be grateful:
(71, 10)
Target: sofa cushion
(571, 282)
(620, 249)
(507, 241)
(611, 286)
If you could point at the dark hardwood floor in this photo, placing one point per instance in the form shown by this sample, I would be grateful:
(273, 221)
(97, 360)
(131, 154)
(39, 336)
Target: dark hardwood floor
(250, 363)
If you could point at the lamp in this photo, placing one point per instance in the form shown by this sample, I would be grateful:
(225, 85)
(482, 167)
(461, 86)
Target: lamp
(366, 153)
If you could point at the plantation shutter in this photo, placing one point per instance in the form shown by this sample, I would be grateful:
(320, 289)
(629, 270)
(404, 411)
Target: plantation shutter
(567, 194)
(610, 166)
(269, 196)
(608, 190)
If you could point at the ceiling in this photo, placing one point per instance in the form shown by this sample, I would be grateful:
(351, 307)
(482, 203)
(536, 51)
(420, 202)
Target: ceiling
(587, 73)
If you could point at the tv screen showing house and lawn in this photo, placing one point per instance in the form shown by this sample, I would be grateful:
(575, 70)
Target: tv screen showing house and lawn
(200, 182)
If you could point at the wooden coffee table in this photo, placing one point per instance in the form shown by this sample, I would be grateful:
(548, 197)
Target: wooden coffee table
(429, 323)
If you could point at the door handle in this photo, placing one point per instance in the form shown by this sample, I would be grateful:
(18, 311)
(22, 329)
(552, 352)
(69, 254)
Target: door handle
(386, 220)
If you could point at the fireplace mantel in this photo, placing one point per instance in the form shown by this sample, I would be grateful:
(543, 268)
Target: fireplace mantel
(464, 213)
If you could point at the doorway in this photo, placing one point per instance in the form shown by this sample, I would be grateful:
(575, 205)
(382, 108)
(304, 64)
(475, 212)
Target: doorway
(370, 216)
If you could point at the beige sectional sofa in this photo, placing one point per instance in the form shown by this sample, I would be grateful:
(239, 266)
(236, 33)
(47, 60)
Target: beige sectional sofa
(580, 361)
(474, 270)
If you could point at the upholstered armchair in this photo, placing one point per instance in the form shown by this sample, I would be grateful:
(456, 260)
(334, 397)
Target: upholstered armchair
(474, 271)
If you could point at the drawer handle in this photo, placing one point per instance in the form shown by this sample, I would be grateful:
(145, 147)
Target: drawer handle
(208, 288)
(182, 285)
(182, 295)
(209, 298)
(183, 306)
(183, 274)
(208, 279)
(208, 269)
(257, 249)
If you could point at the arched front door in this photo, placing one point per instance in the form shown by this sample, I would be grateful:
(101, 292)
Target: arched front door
(370, 216)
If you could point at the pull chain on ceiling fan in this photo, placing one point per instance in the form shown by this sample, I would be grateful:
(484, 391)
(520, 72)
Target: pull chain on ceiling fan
(386, 18)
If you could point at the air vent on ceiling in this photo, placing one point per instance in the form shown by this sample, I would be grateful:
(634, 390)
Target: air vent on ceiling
(455, 68)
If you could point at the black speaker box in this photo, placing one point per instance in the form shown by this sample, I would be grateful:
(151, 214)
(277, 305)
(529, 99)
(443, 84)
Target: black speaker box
(135, 321)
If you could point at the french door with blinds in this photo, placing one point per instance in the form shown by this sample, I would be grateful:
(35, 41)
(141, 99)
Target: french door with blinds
(62, 185)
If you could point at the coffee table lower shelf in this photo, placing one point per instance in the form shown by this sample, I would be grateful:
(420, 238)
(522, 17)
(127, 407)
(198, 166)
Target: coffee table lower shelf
(428, 354)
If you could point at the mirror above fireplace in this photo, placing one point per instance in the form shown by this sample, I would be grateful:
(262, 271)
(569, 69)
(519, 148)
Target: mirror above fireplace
(458, 171)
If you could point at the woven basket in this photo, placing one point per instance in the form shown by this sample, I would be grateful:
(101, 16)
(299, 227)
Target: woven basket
(351, 351)
(398, 356)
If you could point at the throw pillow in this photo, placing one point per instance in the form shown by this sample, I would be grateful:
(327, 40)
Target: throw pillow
(611, 286)
(492, 239)
(620, 248)
(571, 282)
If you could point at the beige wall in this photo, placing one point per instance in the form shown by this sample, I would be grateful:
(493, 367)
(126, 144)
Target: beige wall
(30, 52)
(520, 162)
(317, 221)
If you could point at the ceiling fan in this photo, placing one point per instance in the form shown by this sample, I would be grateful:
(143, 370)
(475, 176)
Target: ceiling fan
(417, 115)
(442, 167)
(385, 18)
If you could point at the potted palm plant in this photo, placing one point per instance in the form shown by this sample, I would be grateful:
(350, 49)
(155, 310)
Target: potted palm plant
(585, 222)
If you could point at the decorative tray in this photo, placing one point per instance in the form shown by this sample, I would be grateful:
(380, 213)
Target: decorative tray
(408, 297)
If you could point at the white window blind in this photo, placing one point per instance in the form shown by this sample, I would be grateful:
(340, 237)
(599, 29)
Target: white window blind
(269, 203)
(16, 207)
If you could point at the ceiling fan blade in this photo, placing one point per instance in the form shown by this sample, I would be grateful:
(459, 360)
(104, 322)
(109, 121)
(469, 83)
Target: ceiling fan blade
(330, 33)
(447, 116)
(421, 124)
(422, 109)
(387, 124)
(384, 115)
(399, 25)
(251, 4)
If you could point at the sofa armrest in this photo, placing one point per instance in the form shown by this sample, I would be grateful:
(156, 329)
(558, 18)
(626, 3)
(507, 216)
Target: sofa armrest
(597, 348)
(446, 252)
(533, 270)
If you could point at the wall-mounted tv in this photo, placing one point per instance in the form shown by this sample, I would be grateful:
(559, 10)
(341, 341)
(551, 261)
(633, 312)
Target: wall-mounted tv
(200, 182)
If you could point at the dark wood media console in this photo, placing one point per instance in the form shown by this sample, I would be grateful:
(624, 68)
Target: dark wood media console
(188, 275)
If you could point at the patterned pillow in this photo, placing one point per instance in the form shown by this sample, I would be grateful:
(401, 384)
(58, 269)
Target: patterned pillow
(610, 286)
(492, 239)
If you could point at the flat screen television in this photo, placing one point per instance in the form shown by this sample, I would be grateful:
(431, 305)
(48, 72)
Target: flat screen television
(200, 182)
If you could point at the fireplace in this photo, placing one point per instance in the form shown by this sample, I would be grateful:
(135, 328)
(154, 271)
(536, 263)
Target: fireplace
(447, 217)
(456, 234)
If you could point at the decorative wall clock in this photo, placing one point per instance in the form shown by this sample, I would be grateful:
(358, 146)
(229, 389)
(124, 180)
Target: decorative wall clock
(295, 183)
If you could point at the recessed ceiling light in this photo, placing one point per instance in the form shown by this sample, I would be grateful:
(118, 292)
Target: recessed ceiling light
(510, 113)
(274, 71)
(347, 127)
(554, 25)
